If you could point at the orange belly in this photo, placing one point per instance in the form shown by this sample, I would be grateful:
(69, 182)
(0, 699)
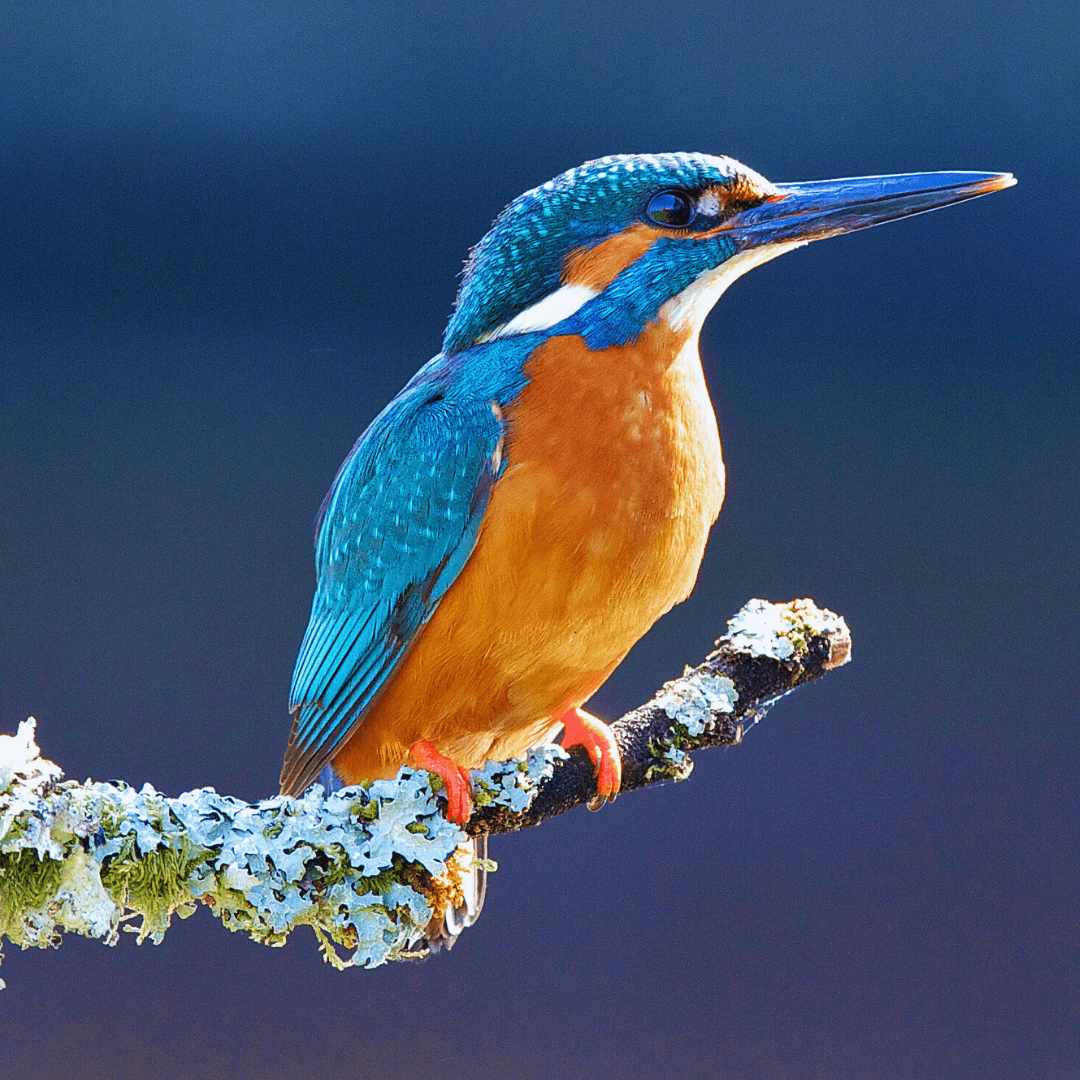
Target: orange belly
(596, 528)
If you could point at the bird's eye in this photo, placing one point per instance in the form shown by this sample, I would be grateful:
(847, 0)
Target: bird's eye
(674, 209)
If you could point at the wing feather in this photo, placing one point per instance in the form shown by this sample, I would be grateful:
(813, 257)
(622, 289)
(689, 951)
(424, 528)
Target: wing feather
(397, 526)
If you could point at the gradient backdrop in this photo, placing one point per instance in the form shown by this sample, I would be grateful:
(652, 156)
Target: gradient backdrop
(231, 231)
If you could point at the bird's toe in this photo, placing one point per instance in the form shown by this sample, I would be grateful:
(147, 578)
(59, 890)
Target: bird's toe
(457, 780)
(584, 729)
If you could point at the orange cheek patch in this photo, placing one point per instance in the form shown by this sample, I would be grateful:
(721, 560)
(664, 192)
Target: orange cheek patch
(598, 266)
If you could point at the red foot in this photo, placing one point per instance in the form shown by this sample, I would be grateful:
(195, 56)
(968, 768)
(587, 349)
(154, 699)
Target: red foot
(584, 729)
(457, 780)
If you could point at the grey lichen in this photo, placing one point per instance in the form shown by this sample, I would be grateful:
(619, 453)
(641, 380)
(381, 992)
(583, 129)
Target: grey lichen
(779, 631)
(514, 784)
(370, 868)
(692, 703)
(366, 867)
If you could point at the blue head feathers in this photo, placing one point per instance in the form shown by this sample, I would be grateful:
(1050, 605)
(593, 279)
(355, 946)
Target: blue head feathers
(521, 259)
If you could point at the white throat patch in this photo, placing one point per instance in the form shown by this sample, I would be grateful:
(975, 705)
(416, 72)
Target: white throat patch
(688, 309)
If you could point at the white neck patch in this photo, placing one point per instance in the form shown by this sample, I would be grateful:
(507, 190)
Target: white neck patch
(544, 314)
(687, 310)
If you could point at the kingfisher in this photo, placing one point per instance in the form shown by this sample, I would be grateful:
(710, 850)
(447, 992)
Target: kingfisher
(542, 490)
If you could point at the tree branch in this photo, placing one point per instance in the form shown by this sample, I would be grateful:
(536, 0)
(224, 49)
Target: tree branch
(369, 867)
(768, 651)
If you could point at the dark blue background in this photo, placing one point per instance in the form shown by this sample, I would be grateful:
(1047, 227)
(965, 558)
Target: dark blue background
(231, 231)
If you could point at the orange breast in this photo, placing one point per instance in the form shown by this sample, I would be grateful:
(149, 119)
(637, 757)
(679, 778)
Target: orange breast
(595, 529)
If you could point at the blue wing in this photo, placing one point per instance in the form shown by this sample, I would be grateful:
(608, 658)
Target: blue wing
(397, 526)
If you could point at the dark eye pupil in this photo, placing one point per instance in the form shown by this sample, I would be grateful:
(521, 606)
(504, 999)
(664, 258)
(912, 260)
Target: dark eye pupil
(671, 208)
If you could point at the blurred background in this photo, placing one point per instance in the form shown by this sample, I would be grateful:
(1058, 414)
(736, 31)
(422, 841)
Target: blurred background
(230, 232)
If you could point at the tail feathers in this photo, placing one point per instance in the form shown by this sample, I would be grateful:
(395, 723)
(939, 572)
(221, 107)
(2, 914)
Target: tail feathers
(330, 780)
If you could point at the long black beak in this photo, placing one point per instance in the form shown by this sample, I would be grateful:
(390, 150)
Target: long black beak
(821, 208)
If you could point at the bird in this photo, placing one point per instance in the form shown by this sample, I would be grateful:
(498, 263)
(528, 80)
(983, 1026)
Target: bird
(542, 490)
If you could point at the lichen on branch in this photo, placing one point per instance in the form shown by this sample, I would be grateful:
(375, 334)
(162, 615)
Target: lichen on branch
(371, 867)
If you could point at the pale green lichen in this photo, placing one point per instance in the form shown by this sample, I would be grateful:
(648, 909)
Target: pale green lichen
(779, 631)
(366, 867)
(692, 703)
(515, 783)
(694, 700)
(670, 762)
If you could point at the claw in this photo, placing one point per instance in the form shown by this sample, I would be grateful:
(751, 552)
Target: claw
(458, 782)
(584, 729)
